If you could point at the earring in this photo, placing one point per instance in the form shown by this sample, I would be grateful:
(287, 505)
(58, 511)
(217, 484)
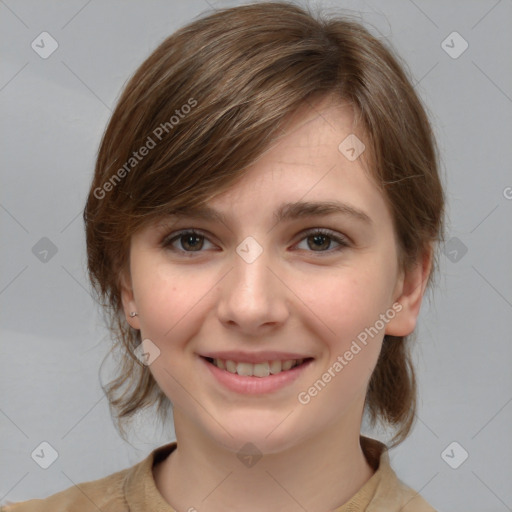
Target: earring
(132, 314)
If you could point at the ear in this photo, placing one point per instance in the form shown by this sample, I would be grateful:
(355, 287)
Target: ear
(128, 300)
(409, 294)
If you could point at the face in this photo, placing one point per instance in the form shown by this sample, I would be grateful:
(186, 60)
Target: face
(320, 290)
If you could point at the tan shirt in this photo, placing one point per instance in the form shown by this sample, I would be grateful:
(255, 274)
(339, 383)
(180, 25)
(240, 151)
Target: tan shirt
(134, 489)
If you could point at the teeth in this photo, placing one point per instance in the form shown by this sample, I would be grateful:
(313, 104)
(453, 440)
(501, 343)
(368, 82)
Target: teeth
(288, 364)
(231, 366)
(275, 367)
(257, 370)
(244, 369)
(261, 370)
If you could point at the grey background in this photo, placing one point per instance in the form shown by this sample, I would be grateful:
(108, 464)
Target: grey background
(53, 113)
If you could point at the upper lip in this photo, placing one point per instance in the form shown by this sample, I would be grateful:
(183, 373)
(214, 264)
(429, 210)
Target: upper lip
(254, 357)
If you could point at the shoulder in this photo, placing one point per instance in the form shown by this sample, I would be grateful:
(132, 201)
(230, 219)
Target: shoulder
(410, 500)
(105, 494)
(393, 494)
(117, 492)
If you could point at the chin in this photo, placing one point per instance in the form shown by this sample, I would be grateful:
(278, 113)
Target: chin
(259, 434)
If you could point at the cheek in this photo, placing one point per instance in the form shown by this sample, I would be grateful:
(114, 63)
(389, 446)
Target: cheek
(166, 300)
(169, 303)
(347, 308)
(346, 302)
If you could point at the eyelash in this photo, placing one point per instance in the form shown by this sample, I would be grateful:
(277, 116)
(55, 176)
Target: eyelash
(168, 240)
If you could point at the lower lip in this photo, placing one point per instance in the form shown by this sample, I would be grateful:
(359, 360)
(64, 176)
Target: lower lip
(256, 385)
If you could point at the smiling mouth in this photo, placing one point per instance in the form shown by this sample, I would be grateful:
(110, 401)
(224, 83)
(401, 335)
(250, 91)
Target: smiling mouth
(259, 369)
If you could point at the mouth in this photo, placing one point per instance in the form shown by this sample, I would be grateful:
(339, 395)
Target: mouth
(261, 370)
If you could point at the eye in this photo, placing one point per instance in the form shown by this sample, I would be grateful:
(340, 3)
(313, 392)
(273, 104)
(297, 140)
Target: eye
(322, 239)
(191, 241)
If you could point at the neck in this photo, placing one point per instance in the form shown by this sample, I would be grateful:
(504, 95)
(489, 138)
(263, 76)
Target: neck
(321, 473)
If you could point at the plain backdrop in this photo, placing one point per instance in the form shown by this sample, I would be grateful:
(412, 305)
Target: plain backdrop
(53, 113)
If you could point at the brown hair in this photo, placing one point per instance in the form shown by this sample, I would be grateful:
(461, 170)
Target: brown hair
(205, 104)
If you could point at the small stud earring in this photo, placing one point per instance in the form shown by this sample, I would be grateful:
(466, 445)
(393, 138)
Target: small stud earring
(132, 314)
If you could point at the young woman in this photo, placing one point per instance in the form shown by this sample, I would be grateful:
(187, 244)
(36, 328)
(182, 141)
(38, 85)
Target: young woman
(262, 226)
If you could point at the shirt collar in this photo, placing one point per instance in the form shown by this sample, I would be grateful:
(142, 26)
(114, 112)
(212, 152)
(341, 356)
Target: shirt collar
(141, 491)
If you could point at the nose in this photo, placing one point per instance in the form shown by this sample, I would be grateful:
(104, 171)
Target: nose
(254, 298)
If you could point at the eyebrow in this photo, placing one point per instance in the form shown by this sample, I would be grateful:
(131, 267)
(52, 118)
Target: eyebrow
(286, 212)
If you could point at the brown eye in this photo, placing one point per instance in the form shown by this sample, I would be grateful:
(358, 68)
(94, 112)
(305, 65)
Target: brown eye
(189, 241)
(320, 240)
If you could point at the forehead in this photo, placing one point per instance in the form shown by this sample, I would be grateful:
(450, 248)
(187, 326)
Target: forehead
(302, 174)
(320, 136)
(308, 163)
